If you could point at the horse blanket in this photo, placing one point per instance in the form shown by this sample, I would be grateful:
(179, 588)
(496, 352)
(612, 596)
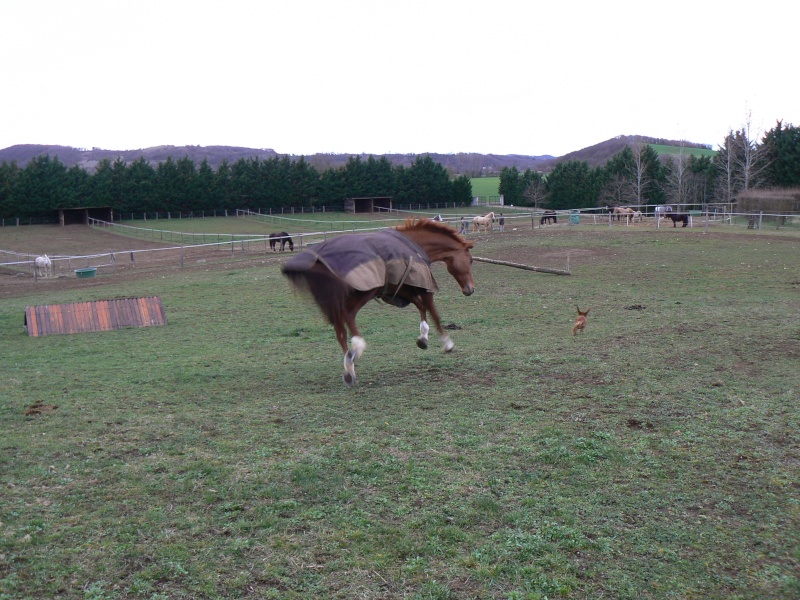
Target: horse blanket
(365, 261)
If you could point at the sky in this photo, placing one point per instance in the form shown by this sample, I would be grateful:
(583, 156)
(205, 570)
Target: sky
(381, 76)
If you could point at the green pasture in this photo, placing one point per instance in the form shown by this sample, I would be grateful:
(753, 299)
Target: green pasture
(656, 455)
(485, 187)
(674, 150)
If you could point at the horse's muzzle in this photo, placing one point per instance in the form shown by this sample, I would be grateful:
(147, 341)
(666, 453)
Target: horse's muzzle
(468, 289)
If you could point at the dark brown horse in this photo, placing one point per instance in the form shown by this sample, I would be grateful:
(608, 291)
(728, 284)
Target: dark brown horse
(344, 273)
(283, 238)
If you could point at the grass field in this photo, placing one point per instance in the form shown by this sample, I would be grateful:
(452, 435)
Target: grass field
(657, 455)
(673, 150)
(485, 187)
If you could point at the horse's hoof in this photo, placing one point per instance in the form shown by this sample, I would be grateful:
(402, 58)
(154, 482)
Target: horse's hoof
(422, 343)
(349, 379)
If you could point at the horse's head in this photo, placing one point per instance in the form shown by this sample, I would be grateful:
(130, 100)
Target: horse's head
(459, 265)
(442, 243)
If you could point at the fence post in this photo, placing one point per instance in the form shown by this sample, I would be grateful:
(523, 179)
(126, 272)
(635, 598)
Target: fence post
(760, 217)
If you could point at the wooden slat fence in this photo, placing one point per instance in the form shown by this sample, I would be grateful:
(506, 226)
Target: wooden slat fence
(98, 315)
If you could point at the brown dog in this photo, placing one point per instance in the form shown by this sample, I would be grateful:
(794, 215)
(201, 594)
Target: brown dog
(580, 322)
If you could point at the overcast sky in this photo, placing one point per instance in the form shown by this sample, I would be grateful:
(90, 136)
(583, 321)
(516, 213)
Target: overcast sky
(381, 76)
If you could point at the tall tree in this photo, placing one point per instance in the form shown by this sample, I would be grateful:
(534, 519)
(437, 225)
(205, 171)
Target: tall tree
(425, 181)
(9, 179)
(511, 185)
(783, 155)
(41, 186)
(572, 184)
(462, 190)
(139, 188)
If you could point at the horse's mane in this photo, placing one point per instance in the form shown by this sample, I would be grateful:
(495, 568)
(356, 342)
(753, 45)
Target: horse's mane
(431, 226)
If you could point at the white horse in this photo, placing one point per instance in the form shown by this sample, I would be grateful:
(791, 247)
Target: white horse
(43, 266)
(484, 221)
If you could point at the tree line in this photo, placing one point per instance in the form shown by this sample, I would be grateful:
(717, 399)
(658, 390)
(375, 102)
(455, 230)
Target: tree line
(636, 175)
(633, 176)
(45, 184)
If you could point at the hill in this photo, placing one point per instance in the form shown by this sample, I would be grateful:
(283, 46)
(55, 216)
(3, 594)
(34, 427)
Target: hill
(472, 164)
(598, 155)
(467, 163)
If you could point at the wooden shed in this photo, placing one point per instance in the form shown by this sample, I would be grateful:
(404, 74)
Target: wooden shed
(368, 204)
(81, 216)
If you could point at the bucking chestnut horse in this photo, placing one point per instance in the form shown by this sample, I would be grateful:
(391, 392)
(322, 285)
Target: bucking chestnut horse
(345, 272)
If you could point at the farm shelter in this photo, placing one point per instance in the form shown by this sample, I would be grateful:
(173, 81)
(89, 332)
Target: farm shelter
(367, 204)
(81, 216)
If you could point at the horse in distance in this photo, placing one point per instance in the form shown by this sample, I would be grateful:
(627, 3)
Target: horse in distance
(283, 238)
(484, 221)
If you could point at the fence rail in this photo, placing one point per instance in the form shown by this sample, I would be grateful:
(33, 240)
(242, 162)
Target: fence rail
(197, 248)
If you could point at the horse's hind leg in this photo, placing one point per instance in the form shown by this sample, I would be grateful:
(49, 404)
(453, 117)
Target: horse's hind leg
(357, 343)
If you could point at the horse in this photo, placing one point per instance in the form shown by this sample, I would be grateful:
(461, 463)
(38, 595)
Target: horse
(637, 214)
(622, 211)
(484, 221)
(283, 238)
(43, 265)
(678, 217)
(661, 211)
(343, 273)
(549, 216)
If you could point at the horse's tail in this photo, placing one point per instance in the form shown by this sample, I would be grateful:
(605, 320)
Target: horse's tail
(328, 290)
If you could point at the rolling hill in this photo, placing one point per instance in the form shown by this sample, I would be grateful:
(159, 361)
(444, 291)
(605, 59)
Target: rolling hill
(468, 163)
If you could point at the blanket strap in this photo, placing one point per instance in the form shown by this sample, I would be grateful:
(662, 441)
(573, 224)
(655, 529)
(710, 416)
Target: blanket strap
(409, 264)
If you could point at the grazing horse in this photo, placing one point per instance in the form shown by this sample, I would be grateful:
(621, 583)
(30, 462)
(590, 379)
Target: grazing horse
(549, 216)
(484, 221)
(283, 238)
(622, 211)
(678, 217)
(43, 265)
(345, 272)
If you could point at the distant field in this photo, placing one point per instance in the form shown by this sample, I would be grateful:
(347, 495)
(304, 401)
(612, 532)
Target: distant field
(661, 149)
(485, 186)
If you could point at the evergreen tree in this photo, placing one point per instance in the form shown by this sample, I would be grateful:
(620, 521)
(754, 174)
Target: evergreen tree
(40, 188)
(9, 179)
(462, 191)
(782, 145)
(572, 184)
(424, 182)
(207, 197)
(139, 188)
(512, 186)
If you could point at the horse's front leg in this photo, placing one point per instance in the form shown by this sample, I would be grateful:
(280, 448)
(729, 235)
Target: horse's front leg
(425, 305)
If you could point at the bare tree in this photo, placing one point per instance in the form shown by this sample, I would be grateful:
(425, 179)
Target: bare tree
(742, 160)
(535, 193)
(750, 157)
(641, 179)
(678, 178)
(619, 190)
